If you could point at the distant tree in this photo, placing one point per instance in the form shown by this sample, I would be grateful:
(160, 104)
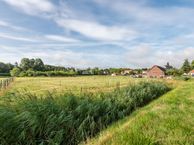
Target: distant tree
(168, 66)
(139, 71)
(192, 64)
(16, 64)
(32, 63)
(96, 71)
(38, 65)
(25, 64)
(174, 72)
(15, 72)
(5, 68)
(2, 67)
(186, 67)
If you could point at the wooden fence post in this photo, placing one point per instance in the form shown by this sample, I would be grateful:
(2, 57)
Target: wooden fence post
(5, 83)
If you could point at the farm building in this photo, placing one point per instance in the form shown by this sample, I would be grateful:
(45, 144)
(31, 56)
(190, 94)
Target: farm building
(126, 71)
(144, 74)
(156, 72)
(191, 73)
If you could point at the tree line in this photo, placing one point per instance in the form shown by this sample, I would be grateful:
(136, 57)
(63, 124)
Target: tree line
(36, 67)
(184, 69)
(5, 68)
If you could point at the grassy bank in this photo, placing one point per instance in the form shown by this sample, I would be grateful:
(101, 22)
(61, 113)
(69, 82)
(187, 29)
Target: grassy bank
(69, 119)
(166, 121)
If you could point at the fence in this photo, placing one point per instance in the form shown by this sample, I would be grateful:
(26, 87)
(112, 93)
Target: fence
(5, 83)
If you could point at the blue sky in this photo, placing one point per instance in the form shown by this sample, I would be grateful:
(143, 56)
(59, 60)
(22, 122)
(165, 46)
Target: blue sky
(98, 33)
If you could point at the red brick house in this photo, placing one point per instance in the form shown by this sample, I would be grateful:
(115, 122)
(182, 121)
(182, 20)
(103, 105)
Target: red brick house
(191, 73)
(156, 72)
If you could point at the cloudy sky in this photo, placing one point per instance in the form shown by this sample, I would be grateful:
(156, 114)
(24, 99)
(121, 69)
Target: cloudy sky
(102, 33)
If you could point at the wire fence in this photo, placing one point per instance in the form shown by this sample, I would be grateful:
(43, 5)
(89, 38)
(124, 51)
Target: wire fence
(4, 84)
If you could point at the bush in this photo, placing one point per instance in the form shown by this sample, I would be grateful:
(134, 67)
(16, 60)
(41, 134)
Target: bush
(15, 72)
(70, 119)
(186, 78)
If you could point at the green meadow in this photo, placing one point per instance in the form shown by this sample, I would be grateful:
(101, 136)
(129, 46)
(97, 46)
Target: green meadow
(42, 85)
(99, 110)
(168, 120)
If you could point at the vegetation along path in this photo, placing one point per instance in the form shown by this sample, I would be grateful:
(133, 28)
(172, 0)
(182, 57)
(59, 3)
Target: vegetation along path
(69, 119)
(167, 121)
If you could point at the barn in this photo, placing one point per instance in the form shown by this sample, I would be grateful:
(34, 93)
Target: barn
(156, 72)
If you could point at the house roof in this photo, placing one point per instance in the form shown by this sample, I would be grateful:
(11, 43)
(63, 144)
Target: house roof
(192, 71)
(161, 68)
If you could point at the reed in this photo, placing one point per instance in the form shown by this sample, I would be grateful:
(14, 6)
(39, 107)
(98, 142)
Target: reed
(70, 119)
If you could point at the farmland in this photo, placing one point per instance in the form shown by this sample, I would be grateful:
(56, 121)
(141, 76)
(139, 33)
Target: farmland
(40, 85)
(70, 118)
(80, 108)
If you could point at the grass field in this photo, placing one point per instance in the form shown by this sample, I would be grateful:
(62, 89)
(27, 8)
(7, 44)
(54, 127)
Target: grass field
(40, 85)
(166, 121)
(70, 118)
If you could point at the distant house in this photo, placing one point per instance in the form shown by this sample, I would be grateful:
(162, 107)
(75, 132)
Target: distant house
(126, 71)
(191, 73)
(113, 74)
(144, 74)
(156, 72)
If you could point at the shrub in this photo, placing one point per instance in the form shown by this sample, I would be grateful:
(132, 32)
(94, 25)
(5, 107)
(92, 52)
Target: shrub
(185, 78)
(70, 119)
(15, 72)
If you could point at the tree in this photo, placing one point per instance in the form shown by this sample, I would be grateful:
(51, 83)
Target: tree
(2, 67)
(168, 66)
(186, 67)
(25, 64)
(15, 72)
(16, 64)
(5, 68)
(192, 64)
(38, 65)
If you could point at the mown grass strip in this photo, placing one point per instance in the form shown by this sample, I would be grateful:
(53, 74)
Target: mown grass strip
(166, 121)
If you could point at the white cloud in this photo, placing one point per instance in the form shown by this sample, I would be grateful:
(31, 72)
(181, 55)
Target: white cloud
(59, 38)
(58, 56)
(146, 56)
(17, 38)
(97, 31)
(8, 25)
(148, 16)
(32, 7)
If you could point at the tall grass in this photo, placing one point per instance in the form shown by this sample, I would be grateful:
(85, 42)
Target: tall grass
(69, 119)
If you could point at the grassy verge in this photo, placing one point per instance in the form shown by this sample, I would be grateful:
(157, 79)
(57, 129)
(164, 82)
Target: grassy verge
(70, 119)
(166, 121)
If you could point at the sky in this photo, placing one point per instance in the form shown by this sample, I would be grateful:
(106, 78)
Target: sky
(98, 33)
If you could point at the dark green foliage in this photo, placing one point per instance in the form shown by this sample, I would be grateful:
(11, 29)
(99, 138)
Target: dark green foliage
(192, 64)
(168, 66)
(5, 68)
(174, 72)
(26, 64)
(5, 74)
(186, 78)
(69, 119)
(186, 67)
